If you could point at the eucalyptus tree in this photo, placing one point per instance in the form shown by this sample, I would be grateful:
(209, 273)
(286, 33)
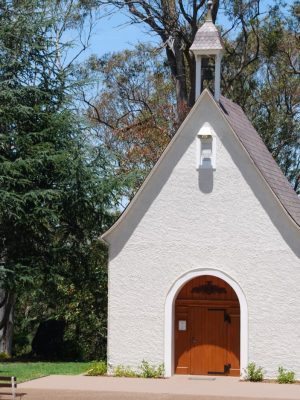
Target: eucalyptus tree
(133, 111)
(261, 53)
(176, 23)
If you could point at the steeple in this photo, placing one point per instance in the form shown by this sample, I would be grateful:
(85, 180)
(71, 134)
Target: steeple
(208, 49)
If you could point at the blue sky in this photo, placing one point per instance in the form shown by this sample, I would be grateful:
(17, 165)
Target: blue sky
(114, 32)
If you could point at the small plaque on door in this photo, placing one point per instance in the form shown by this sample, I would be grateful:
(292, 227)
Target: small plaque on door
(182, 325)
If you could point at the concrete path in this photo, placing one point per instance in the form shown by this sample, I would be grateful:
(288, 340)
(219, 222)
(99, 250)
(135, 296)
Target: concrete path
(36, 394)
(183, 387)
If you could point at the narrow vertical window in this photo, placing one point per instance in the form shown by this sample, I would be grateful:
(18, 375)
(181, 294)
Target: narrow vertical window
(206, 152)
(206, 149)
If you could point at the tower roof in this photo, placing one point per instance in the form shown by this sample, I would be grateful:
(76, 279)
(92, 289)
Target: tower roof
(207, 36)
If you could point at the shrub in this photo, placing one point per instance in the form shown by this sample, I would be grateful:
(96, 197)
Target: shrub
(285, 376)
(126, 372)
(4, 356)
(21, 344)
(146, 371)
(151, 371)
(254, 373)
(98, 368)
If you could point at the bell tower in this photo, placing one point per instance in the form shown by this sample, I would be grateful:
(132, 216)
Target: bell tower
(208, 49)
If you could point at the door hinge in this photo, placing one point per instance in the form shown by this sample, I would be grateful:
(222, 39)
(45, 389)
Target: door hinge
(227, 317)
(226, 370)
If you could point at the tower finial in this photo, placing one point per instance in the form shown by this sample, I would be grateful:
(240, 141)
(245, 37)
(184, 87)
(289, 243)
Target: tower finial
(209, 15)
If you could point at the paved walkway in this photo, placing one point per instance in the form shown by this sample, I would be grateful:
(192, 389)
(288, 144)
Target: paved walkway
(88, 387)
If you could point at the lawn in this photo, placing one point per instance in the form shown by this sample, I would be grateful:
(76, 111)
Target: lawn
(25, 371)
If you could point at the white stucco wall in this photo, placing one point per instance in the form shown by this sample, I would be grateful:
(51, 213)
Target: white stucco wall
(227, 220)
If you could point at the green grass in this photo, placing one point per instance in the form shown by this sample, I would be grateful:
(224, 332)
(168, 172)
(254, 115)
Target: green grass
(25, 371)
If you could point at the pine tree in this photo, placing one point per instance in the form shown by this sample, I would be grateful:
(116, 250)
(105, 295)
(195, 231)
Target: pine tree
(52, 194)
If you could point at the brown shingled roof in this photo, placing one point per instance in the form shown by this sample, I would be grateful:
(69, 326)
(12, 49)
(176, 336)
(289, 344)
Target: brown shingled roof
(262, 158)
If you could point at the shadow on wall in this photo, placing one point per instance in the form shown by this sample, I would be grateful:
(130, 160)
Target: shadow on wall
(206, 180)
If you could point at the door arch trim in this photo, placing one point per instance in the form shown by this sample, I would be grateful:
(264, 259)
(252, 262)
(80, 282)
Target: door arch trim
(170, 314)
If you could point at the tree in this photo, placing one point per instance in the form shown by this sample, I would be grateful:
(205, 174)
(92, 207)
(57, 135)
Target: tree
(176, 23)
(55, 196)
(250, 41)
(134, 113)
(270, 93)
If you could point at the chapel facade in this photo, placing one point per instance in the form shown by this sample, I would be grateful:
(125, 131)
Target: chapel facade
(204, 263)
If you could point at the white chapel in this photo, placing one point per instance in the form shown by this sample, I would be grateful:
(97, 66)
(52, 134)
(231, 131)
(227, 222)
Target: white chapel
(204, 263)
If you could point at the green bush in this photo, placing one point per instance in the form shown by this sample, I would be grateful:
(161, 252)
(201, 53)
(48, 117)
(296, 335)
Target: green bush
(21, 344)
(4, 356)
(151, 371)
(254, 373)
(126, 372)
(98, 368)
(146, 371)
(285, 376)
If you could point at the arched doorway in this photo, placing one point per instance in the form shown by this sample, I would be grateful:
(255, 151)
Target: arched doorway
(207, 328)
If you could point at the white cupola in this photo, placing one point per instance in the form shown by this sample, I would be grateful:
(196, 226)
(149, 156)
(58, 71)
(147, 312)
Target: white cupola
(208, 49)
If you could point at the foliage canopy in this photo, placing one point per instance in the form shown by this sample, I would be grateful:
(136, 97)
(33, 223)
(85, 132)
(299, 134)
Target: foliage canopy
(57, 191)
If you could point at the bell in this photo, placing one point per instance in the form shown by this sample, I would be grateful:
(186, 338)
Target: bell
(207, 71)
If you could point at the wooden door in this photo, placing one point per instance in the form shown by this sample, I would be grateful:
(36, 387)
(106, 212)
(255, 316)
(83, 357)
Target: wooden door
(207, 329)
(208, 342)
(233, 344)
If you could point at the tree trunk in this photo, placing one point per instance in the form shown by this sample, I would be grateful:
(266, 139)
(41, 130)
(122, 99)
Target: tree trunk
(175, 57)
(7, 302)
(192, 76)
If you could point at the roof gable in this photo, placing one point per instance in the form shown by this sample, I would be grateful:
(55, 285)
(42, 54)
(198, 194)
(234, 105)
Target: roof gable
(239, 124)
(205, 94)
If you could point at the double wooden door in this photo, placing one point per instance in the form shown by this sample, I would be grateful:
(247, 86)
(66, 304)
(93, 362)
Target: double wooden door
(207, 336)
